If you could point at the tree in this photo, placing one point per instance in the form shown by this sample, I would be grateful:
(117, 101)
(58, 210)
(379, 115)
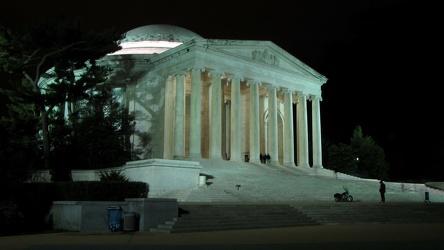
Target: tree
(18, 142)
(103, 126)
(342, 158)
(60, 45)
(371, 157)
(362, 157)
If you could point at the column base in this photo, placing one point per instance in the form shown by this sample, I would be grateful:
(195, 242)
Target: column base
(180, 157)
(216, 157)
(255, 161)
(194, 156)
(305, 165)
(289, 164)
(236, 159)
(318, 166)
(275, 163)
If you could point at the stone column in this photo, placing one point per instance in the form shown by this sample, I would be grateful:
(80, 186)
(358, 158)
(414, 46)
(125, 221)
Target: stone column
(227, 130)
(179, 118)
(195, 113)
(168, 120)
(262, 124)
(273, 148)
(254, 121)
(316, 131)
(235, 120)
(302, 131)
(288, 129)
(128, 95)
(216, 115)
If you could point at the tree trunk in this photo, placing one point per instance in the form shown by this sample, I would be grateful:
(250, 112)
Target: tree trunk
(46, 144)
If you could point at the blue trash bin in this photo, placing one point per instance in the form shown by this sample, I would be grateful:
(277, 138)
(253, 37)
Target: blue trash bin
(114, 218)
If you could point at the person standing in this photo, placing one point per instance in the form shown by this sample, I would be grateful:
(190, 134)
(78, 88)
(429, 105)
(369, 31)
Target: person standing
(382, 191)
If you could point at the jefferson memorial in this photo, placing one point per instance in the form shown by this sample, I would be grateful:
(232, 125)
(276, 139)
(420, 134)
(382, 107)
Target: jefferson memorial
(199, 101)
(218, 99)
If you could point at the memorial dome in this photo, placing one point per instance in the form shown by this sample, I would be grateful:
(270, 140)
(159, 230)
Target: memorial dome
(154, 39)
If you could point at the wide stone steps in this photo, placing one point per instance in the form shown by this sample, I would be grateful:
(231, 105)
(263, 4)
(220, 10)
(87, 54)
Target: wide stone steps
(222, 217)
(210, 194)
(355, 213)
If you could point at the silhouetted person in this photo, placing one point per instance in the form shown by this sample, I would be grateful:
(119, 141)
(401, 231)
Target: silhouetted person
(382, 191)
(268, 158)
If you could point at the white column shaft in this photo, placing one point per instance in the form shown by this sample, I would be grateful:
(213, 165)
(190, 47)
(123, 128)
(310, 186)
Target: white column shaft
(227, 145)
(179, 118)
(273, 127)
(288, 130)
(302, 131)
(195, 114)
(316, 130)
(216, 116)
(235, 121)
(254, 123)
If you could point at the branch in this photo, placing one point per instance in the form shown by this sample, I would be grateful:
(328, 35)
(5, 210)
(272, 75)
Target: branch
(45, 57)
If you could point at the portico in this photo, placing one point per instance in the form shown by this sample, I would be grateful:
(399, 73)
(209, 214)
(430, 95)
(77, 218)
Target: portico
(222, 99)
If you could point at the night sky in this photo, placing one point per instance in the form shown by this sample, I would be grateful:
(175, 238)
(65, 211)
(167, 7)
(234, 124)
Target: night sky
(381, 58)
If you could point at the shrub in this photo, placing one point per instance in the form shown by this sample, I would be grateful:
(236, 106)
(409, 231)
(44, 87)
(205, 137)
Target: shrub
(113, 176)
(27, 206)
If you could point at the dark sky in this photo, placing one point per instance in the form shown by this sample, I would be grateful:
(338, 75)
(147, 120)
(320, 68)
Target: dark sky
(381, 58)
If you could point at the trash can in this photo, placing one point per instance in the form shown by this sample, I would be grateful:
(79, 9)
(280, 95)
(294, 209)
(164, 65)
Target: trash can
(427, 198)
(114, 218)
(130, 221)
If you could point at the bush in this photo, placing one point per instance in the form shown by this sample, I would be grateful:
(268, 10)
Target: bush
(26, 207)
(11, 219)
(100, 190)
(113, 176)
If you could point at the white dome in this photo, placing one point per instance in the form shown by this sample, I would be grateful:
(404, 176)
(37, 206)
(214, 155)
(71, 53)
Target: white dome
(154, 39)
(160, 32)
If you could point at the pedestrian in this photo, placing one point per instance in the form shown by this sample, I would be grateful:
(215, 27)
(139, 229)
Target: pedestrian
(268, 158)
(382, 191)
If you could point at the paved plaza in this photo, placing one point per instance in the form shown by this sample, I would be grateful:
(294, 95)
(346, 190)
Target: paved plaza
(387, 236)
(262, 183)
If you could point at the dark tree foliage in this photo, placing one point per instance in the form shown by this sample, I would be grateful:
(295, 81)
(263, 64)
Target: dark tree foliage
(113, 176)
(362, 157)
(371, 156)
(53, 49)
(342, 158)
(98, 139)
(19, 151)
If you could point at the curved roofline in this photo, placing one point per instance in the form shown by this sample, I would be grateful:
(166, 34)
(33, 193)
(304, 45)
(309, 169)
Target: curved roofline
(160, 32)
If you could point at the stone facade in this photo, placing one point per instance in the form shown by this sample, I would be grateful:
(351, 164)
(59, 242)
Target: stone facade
(218, 99)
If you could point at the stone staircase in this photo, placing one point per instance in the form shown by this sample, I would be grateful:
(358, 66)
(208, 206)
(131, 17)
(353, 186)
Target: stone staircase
(229, 216)
(370, 213)
(249, 182)
(201, 217)
(244, 195)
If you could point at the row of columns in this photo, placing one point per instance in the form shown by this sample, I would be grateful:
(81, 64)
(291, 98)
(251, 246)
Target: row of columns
(235, 121)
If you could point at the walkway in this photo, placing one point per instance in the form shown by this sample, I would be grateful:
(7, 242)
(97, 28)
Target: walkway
(362, 237)
(263, 183)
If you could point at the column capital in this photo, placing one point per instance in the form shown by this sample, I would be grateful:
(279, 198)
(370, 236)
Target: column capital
(216, 72)
(254, 82)
(235, 77)
(271, 87)
(314, 97)
(288, 91)
(180, 73)
(157, 76)
(196, 68)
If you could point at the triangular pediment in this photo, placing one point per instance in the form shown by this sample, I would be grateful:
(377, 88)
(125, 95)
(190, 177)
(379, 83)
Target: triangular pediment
(262, 52)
